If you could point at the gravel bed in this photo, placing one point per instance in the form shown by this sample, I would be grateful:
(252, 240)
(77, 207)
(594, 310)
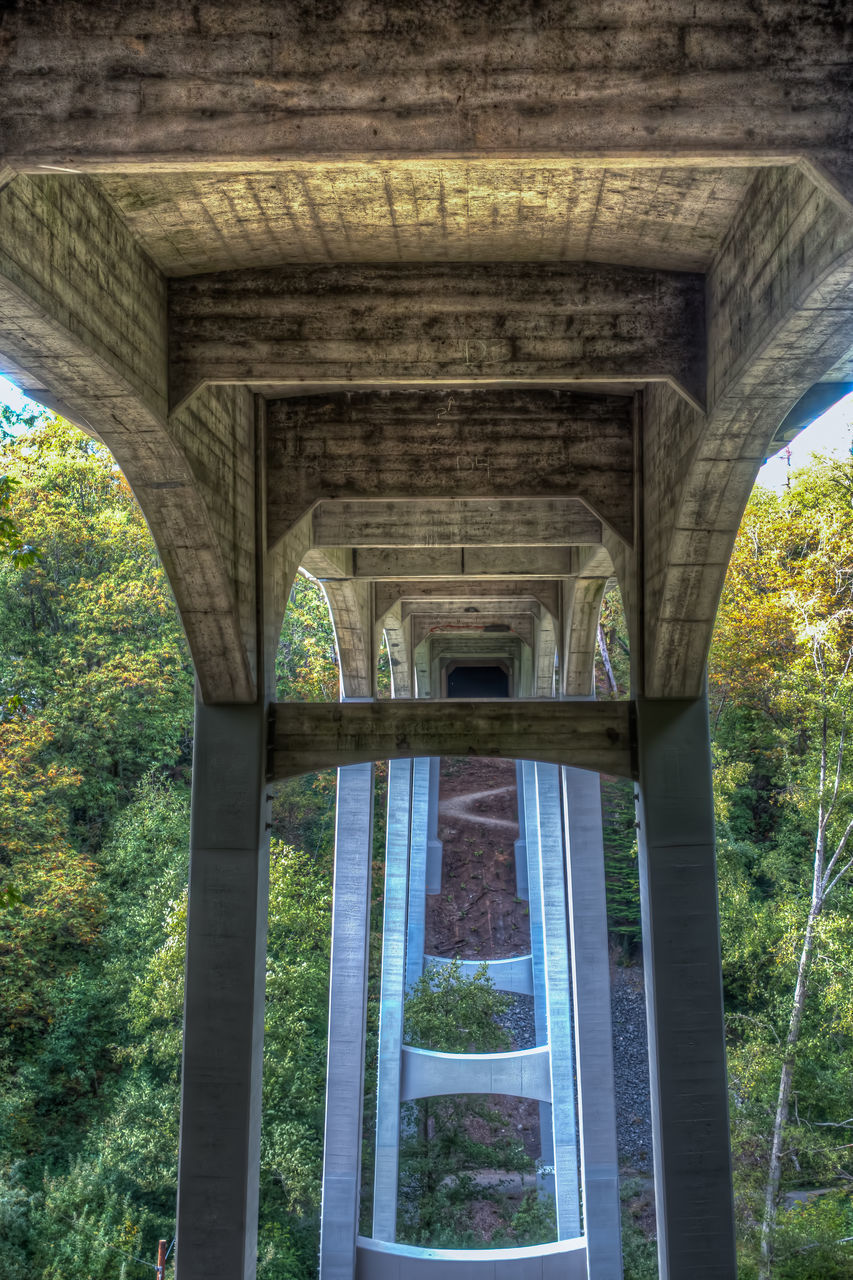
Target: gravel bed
(631, 1067)
(519, 1022)
(630, 1062)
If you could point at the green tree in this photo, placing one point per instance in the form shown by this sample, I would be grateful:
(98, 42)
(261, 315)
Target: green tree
(781, 697)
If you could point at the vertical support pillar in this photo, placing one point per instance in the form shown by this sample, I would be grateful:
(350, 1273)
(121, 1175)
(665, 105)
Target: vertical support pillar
(224, 997)
(537, 952)
(434, 849)
(558, 1000)
(520, 848)
(347, 1019)
(681, 950)
(593, 1029)
(391, 1000)
(416, 924)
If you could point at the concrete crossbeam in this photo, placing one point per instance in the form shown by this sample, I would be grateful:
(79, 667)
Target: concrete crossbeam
(483, 443)
(562, 1260)
(471, 563)
(308, 736)
(555, 323)
(415, 595)
(455, 522)
(520, 1073)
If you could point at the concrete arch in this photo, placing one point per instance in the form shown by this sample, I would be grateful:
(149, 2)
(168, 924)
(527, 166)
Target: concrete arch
(782, 320)
(351, 608)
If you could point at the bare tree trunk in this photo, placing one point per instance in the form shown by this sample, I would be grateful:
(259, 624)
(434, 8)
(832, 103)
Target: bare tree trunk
(783, 1103)
(605, 658)
(819, 890)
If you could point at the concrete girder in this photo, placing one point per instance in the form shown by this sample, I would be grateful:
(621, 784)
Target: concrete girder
(517, 624)
(455, 522)
(525, 563)
(547, 594)
(83, 317)
(469, 444)
(418, 323)
(781, 317)
(309, 736)
(485, 610)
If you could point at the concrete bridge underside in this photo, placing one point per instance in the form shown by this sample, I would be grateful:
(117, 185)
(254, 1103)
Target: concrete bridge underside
(469, 312)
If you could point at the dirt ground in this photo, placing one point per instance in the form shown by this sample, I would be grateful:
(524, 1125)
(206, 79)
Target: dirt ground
(477, 915)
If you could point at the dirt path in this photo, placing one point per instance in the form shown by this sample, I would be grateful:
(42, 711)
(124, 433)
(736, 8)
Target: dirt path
(477, 915)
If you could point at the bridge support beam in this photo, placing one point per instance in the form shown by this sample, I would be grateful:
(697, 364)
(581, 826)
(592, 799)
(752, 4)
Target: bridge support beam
(224, 998)
(593, 1028)
(347, 1022)
(681, 949)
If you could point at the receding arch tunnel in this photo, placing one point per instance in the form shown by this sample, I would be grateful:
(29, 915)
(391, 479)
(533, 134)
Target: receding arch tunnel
(470, 681)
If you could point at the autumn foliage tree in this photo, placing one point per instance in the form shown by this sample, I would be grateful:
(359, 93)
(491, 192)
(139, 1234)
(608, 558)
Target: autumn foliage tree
(782, 697)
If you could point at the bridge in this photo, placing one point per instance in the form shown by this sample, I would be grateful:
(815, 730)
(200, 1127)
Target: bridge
(470, 311)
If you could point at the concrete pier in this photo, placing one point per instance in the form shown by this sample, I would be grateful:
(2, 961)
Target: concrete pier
(347, 1021)
(684, 1001)
(224, 998)
(599, 1162)
(558, 999)
(392, 992)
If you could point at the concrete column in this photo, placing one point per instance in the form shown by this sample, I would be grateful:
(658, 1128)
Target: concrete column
(537, 953)
(224, 998)
(416, 924)
(593, 1029)
(521, 843)
(681, 949)
(347, 1018)
(558, 1000)
(434, 848)
(391, 1000)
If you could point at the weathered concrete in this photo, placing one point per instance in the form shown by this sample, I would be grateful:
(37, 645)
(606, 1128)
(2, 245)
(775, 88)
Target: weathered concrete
(451, 324)
(347, 1022)
(83, 315)
(310, 736)
(456, 522)
(460, 444)
(224, 998)
(684, 999)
